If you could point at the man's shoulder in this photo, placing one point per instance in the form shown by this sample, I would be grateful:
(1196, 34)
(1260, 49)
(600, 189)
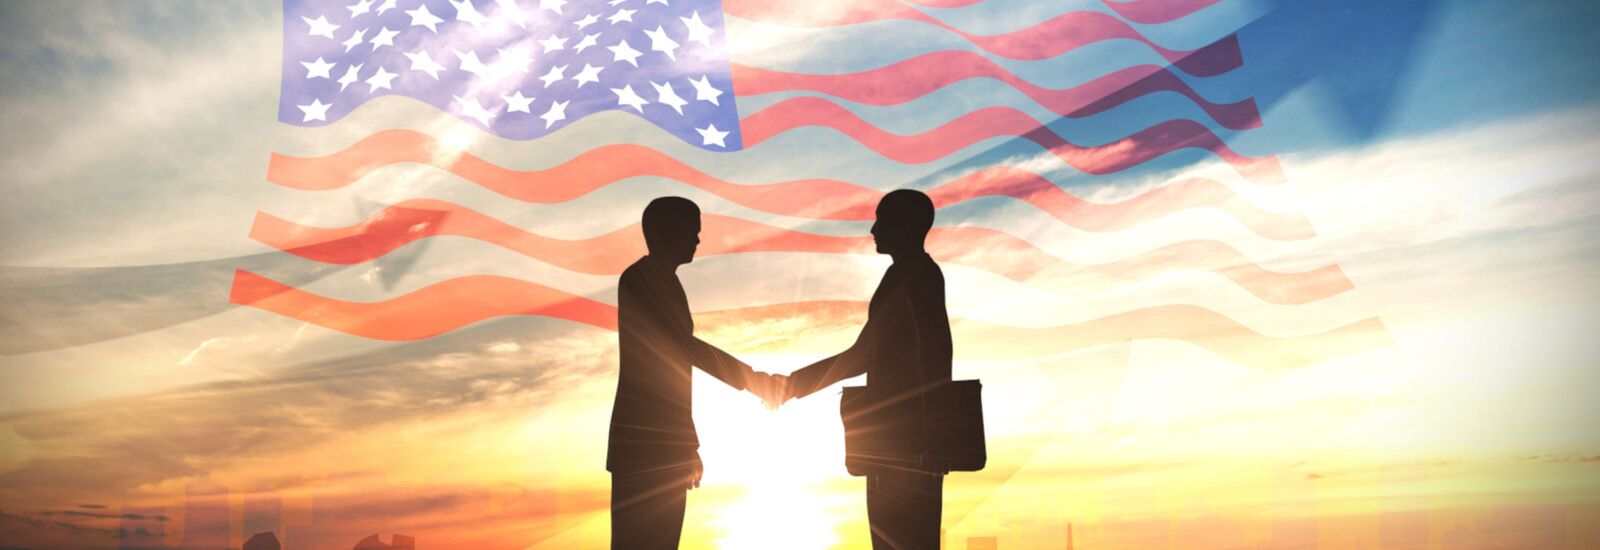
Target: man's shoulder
(648, 278)
(925, 269)
(637, 272)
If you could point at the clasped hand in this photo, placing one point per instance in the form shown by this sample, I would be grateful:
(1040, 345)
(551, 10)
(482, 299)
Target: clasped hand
(773, 389)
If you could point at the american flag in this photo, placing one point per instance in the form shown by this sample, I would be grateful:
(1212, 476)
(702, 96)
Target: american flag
(1062, 154)
(519, 73)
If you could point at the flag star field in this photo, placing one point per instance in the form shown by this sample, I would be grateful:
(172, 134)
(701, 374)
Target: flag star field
(518, 70)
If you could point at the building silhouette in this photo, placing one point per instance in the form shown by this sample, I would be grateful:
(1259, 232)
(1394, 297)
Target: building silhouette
(263, 513)
(262, 541)
(397, 542)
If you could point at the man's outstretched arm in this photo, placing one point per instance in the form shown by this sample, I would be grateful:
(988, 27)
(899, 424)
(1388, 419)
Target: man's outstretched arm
(720, 364)
(827, 372)
(733, 372)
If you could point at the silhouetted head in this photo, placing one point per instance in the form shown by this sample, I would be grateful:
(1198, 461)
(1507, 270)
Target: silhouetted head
(904, 218)
(672, 229)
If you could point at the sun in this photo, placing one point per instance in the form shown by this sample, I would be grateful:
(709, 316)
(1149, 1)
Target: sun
(780, 463)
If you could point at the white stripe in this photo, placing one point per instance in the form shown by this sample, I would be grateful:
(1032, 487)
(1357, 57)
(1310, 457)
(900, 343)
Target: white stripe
(752, 279)
(621, 204)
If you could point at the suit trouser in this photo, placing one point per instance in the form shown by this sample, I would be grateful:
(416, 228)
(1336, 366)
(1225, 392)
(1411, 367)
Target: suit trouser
(903, 509)
(647, 509)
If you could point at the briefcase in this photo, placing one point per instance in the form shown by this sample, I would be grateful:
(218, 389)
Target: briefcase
(880, 432)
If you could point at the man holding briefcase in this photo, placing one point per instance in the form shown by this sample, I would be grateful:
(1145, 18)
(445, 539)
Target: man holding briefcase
(905, 351)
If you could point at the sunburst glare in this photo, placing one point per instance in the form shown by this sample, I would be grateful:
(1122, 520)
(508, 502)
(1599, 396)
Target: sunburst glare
(779, 461)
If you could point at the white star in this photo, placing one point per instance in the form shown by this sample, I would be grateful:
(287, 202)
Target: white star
(320, 26)
(660, 42)
(648, 2)
(552, 5)
(553, 43)
(628, 98)
(471, 108)
(385, 6)
(666, 96)
(588, 40)
(624, 52)
(359, 8)
(318, 68)
(621, 15)
(421, 61)
(509, 9)
(558, 111)
(380, 80)
(704, 91)
(355, 39)
(420, 17)
(615, 2)
(385, 37)
(555, 75)
(516, 58)
(466, 12)
(470, 62)
(350, 76)
(698, 30)
(317, 110)
(590, 73)
(710, 135)
(517, 103)
(587, 20)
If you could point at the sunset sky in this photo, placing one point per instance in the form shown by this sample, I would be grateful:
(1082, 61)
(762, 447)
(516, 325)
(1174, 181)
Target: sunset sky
(1425, 378)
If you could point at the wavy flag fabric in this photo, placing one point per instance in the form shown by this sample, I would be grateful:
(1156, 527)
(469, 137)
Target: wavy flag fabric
(517, 72)
(523, 72)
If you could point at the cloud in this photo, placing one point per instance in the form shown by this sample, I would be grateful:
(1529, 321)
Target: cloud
(123, 444)
(15, 451)
(116, 123)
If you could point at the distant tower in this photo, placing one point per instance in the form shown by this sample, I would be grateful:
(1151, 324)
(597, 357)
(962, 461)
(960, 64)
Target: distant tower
(1069, 536)
(205, 515)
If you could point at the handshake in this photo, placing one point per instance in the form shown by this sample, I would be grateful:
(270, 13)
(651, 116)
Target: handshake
(773, 389)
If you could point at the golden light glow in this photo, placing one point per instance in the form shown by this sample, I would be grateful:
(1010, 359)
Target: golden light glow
(779, 465)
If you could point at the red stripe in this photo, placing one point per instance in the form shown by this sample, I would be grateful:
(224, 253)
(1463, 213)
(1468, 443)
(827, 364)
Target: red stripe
(456, 303)
(808, 198)
(1151, 12)
(990, 122)
(1045, 40)
(922, 75)
(944, 4)
(1148, 12)
(428, 312)
(608, 254)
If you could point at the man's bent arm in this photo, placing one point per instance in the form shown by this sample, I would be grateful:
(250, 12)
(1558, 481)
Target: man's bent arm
(934, 349)
(720, 364)
(826, 372)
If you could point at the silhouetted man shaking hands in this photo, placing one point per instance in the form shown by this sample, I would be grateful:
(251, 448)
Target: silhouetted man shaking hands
(904, 350)
(653, 451)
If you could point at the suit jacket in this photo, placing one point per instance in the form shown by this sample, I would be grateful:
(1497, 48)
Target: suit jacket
(904, 349)
(651, 427)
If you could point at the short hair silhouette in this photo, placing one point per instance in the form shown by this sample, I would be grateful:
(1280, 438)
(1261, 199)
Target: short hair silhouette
(667, 219)
(907, 208)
